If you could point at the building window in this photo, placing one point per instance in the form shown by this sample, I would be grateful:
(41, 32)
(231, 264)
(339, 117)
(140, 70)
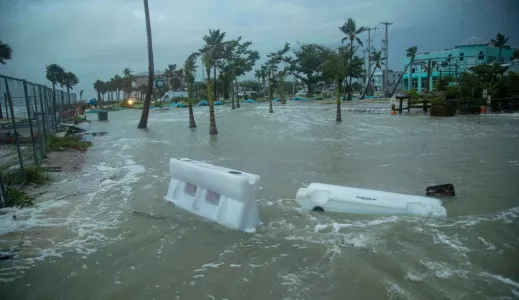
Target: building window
(413, 70)
(462, 56)
(481, 56)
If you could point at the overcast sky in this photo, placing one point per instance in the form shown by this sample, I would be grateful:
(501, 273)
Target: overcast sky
(98, 38)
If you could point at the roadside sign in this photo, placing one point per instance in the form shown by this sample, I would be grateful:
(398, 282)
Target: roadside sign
(485, 93)
(159, 83)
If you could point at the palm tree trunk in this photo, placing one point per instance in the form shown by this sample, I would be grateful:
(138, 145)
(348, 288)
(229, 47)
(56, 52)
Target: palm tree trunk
(271, 110)
(499, 57)
(212, 120)
(237, 98)
(232, 94)
(214, 87)
(338, 117)
(399, 79)
(192, 123)
(282, 81)
(350, 71)
(143, 123)
(367, 85)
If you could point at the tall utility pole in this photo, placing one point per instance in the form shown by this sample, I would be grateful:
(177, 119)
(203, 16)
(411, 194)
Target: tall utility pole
(369, 52)
(385, 48)
(365, 78)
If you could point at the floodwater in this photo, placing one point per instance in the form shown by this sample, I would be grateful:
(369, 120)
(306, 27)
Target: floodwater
(118, 239)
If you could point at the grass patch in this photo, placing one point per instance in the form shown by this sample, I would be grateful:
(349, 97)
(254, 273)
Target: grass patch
(18, 197)
(33, 174)
(79, 119)
(70, 142)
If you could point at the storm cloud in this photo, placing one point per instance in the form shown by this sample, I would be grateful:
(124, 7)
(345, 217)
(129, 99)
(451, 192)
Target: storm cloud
(98, 38)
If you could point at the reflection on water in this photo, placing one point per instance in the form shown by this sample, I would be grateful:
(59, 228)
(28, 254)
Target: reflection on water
(98, 241)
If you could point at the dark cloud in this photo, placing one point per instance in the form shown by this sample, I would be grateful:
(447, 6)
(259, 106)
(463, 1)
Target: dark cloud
(98, 38)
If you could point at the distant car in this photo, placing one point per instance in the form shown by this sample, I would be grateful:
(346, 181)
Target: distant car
(302, 93)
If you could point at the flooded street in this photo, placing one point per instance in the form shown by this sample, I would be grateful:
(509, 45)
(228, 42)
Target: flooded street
(107, 233)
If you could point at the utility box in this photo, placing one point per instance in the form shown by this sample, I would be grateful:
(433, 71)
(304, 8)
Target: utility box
(102, 115)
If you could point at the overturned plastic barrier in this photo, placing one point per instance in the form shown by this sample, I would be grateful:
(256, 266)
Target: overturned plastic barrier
(334, 198)
(223, 195)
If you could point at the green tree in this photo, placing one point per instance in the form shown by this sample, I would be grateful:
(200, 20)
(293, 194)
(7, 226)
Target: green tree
(98, 86)
(168, 73)
(411, 53)
(376, 61)
(143, 123)
(349, 28)
(250, 85)
(212, 52)
(272, 67)
(54, 74)
(215, 45)
(5, 52)
(334, 69)
(261, 74)
(119, 82)
(308, 65)
(238, 60)
(127, 82)
(69, 81)
(500, 42)
(189, 75)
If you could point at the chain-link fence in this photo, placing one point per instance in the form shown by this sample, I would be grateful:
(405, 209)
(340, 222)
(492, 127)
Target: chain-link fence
(29, 113)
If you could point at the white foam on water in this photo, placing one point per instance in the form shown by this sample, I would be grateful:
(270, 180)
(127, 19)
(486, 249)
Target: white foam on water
(451, 241)
(82, 227)
(489, 245)
(500, 278)
(441, 270)
(394, 291)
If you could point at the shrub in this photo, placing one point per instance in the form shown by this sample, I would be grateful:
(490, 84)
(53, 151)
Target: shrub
(56, 143)
(18, 198)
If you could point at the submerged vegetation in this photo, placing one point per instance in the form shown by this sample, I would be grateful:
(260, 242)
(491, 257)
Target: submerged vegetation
(59, 144)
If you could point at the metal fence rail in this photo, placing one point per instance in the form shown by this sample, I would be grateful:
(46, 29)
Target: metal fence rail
(29, 113)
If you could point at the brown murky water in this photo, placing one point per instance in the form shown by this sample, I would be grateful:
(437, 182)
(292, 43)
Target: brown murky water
(93, 245)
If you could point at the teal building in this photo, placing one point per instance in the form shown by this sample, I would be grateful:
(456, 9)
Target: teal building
(450, 62)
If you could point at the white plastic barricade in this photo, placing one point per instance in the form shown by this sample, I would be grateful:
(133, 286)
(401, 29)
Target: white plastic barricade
(334, 198)
(223, 195)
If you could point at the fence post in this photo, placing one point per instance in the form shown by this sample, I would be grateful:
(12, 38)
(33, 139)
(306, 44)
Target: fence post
(6, 103)
(16, 136)
(37, 119)
(27, 104)
(54, 105)
(3, 196)
(43, 117)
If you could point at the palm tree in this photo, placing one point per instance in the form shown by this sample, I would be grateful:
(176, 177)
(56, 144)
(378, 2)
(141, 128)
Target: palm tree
(500, 42)
(98, 86)
(143, 123)
(81, 95)
(350, 30)
(189, 74)
(5, 52)
(411, 53)
(211, 53)
(119, 82)
(127, 81)
(377, 61)
(168, 73)
(214, 43)
(54, 74)
(335, 68)
(176, 79)
(69, 81)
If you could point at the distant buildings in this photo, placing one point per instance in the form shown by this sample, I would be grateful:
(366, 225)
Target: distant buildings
(392, 79)
(451, 62)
